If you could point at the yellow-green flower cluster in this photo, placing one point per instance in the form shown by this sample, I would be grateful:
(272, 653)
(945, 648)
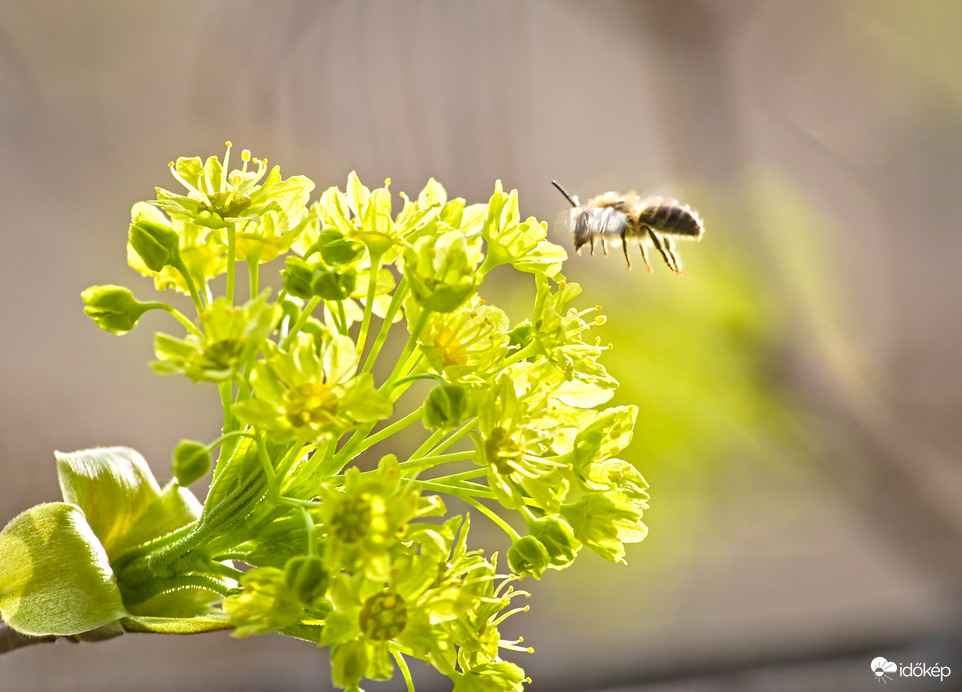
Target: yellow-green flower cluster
(376, 325)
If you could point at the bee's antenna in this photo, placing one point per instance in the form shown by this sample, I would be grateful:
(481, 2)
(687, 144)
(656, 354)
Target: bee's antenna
(568, 197)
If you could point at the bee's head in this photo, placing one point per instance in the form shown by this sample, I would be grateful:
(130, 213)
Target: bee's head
(581, 226)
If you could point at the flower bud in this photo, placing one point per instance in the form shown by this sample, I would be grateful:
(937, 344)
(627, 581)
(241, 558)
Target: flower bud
(557, 537)
(191, 462)
(113, 308)
(528, 555)
(306, 280)
(297, 278)
(333, 284)
(446, 407)
(335, 249)
(157, 244)
(306, 576)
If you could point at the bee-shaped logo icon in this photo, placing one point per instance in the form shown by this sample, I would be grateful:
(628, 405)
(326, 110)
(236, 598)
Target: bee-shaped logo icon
(655, 220)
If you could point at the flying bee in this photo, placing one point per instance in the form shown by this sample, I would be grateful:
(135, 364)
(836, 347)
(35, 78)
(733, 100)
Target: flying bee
(630, 217)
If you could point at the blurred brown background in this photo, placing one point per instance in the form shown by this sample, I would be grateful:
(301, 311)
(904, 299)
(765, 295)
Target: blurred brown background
(800, 390)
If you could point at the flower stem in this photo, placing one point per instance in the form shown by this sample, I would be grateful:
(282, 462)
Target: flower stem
(301, 321)
(179, 316)
(253, 270)
(396, 300)
(402, 361)
(394, 427)
(403, 667)
(230, 422)
(369, 304)
(424, 463)
(531, 349)
(231, 260)
(295, 452)
(194, 296)
(490, 514)
(432, 444)
(456, 478)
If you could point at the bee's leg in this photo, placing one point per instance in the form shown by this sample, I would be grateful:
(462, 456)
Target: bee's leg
(604, 245)
(624, 244)
(592, 245)
(644, 254)
(666, 253)
(670, 249)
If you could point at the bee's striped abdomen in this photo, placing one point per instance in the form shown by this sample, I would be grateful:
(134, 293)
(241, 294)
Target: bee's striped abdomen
(671, 218)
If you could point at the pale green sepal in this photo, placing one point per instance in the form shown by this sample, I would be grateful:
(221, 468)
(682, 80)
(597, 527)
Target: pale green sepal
(175, 507)
(111, 485)
(194, 625)
(55, 578)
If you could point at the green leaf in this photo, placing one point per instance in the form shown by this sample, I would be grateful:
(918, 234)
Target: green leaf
(111, 485)
(55, 578)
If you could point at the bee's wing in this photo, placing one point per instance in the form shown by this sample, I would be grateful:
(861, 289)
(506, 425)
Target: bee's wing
(589, 222)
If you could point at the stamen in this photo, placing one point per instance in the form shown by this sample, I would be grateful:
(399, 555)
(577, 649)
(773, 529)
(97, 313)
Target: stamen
(261, 169)
(193, 191)
(227, 159)
(505, 615)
